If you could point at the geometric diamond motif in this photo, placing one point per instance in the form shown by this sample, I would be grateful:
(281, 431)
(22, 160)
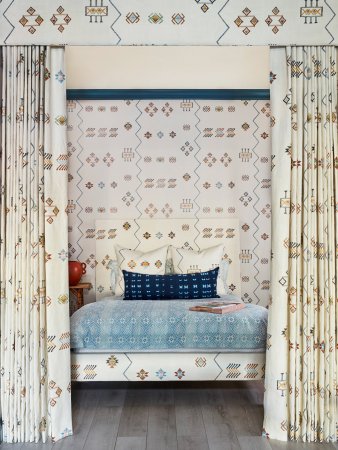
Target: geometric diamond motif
(92, 159)
(225, 160)
(151, 210)
(167, 109)
(283, 281)
(31, 21)
(275, 21)
(178, 19)
(60, 20)
(132, 17)
(51, 211)
(205, 4)
(247, 21)
(108, 159)
(187, 148)
(209, 160)
(200, 362)
(155, 18)
(151, 109)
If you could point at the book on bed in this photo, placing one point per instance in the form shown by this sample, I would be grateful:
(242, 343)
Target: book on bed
(218, 307)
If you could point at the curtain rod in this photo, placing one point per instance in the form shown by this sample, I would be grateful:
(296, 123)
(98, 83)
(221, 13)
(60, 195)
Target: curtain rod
(161, 94)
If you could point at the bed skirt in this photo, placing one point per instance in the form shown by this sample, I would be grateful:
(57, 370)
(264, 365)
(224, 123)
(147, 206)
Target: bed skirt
(167, 366)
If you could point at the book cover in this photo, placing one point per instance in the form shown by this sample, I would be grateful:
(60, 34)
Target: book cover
(217, 308)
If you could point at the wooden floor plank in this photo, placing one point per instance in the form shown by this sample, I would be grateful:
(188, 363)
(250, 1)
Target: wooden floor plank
(160, 396)
(255, 417)
(192, 443)
(217, 424)
(5, 446)
(253, 443)
(237, 405)
(189, 419)
(254, 392)
(104, 427)
(162, 433)
(131, 443)
(84, 409)
(134, 417)
(28, 446)
(33, 446)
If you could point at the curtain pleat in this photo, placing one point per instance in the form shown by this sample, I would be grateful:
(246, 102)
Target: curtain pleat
(301, 371)
(35, 360)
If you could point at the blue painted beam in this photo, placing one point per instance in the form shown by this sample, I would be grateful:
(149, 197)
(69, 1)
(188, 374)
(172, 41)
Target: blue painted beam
(167, 94)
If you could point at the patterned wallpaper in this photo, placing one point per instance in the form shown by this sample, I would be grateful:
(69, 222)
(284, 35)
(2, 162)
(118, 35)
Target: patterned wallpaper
(174, 22)
(172, 159)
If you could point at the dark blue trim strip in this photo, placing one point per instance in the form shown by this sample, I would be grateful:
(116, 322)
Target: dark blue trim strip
(164, 94)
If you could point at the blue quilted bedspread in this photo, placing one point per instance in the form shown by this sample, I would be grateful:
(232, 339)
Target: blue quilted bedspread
(165, 325)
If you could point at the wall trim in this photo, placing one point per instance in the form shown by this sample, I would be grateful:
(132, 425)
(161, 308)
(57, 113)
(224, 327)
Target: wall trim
(164, 94)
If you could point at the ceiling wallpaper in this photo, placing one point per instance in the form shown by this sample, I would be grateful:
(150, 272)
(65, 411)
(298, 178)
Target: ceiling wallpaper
(172, 159)
(174, 22)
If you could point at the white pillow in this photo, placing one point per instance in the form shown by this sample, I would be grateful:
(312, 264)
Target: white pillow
(151, 263)
(113, 275)
(189, 261)
(223, 273)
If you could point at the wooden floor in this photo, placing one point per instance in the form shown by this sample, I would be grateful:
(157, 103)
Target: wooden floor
(168, 416)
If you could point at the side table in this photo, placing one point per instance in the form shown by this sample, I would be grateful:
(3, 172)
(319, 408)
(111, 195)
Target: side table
(78, 292)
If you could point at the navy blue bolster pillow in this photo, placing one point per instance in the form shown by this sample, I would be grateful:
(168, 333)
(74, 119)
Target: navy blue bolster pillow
(139, 286)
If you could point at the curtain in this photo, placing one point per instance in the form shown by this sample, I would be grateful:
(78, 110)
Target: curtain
(35, 359)
(301, 366)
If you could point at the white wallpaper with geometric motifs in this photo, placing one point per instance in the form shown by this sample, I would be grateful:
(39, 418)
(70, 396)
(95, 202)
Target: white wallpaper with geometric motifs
(174, 22)
(172, 159)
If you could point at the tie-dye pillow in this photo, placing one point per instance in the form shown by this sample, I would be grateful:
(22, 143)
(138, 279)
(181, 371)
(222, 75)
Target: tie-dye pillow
(200, 285)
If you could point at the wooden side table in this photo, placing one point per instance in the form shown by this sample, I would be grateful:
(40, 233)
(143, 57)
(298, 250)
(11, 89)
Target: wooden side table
(78, 292)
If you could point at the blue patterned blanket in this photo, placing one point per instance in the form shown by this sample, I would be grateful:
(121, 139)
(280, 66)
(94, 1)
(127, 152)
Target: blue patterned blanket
(143, 325)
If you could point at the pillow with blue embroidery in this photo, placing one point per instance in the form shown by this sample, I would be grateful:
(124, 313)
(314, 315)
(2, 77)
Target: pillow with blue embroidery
(139, 286)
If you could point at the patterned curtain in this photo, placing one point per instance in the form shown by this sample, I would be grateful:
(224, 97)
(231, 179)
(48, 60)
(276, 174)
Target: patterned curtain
(301, 372)
(35, 360)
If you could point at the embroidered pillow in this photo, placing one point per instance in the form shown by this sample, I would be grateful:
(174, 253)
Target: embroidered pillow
(199, 285)
(189, 261)
(151, 263)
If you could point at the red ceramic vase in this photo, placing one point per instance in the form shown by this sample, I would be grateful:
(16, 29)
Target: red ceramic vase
(76, 269)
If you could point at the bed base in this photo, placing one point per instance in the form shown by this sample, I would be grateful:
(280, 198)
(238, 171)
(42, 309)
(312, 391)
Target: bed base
(167, 366)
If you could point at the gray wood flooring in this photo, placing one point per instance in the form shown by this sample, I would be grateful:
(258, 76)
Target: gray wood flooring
(168, 416)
